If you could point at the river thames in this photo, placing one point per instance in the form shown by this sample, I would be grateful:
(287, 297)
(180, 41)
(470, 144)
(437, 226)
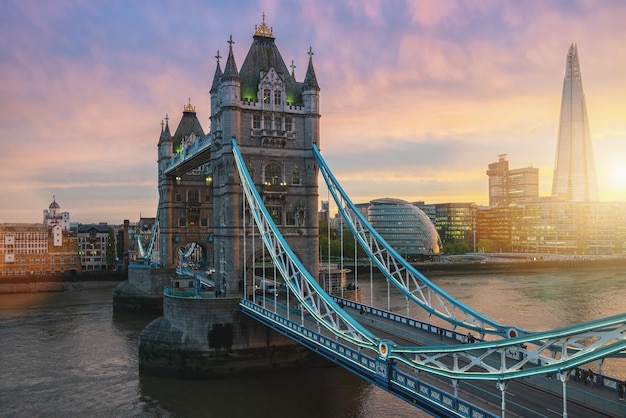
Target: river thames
(66, 354)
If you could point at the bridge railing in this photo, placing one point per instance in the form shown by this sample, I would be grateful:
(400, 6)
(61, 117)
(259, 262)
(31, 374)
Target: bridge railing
(374, 369)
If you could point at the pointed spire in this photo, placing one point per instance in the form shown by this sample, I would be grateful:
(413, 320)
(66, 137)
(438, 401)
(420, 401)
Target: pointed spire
(310, 80)
(165, 131)
(217, 76)
(230, 70)
(293, 67)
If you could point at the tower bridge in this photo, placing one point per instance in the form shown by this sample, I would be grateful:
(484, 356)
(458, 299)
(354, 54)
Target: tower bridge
(246, 193)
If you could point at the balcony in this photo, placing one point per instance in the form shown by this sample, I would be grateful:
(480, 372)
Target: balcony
(273, 191)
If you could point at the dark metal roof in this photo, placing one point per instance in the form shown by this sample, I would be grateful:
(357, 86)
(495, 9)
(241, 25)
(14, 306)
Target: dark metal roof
(262, 56)
(188, 124)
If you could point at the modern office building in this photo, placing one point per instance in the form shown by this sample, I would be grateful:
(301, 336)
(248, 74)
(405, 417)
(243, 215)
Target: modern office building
(511, 186)
(455, 222)
(574, 171)
(406, 228)
(493, 229)
(560, 227)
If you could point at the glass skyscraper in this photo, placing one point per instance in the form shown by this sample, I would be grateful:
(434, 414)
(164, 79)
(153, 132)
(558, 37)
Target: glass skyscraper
(574, 172)
(406, 228)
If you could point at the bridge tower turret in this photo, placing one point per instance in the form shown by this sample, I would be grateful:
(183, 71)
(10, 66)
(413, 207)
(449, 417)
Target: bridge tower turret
(275, 120)
(311, 101)
(229, 94)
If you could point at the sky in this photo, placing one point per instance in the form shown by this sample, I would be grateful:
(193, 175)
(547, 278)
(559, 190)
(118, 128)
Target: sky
(417, 97)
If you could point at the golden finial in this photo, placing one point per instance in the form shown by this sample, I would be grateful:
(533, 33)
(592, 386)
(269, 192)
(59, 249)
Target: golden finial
(189, 107)
(263, 30)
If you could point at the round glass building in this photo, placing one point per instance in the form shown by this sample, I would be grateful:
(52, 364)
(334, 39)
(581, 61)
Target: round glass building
(406, 228)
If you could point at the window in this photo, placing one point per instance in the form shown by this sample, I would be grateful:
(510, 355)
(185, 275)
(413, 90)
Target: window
(277, 97)
(192, 196)
(288, 124)
(295, 177)
(267, 122)
(276, 212)
(266, 96)
(273, 173)
(278, 123)
(290, 218)
(256, 122)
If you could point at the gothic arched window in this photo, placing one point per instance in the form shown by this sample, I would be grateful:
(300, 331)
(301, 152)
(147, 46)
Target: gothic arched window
(273, 173)
(277, 97)
(192, 196)
(266, 96)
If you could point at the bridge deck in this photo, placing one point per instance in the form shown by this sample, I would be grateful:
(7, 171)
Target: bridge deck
(535, 396)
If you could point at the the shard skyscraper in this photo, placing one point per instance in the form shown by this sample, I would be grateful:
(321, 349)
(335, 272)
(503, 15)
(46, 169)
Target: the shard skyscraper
(574, 171)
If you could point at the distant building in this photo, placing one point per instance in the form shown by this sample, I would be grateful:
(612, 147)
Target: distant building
(511, 186)
(39, 249)
(406, 228)
(93, 241)
(53, 216)
(430, 210)
(574, 171)
(324, 213)
(455, 222)
(493, 229)
(556, 227)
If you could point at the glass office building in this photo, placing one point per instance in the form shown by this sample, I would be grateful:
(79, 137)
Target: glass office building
(406, 228)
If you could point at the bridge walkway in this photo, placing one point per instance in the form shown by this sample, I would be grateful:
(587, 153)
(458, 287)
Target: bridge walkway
(536, 396)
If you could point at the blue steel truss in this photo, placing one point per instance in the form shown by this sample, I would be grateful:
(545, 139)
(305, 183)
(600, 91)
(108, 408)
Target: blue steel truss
(522, 354)
(413, 284)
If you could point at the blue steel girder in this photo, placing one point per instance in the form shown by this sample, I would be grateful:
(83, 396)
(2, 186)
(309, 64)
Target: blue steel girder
(147, 254)
(190, 157)
(534, 353)
(413, 284)
(306, 289)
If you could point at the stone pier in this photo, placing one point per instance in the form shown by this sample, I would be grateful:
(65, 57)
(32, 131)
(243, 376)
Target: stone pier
(211, 338)
(142, 292)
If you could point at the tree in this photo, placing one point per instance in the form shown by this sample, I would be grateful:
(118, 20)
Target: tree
(110, 250)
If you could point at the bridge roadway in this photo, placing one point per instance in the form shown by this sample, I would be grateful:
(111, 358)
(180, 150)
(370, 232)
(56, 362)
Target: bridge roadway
(535, 396)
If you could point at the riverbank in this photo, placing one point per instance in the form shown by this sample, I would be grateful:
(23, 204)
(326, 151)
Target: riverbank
(40, 287)
(62, 283)
(495, 264)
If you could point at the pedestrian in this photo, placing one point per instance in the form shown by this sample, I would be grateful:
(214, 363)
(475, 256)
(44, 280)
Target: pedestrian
(440, 334)
(622, 390)
(590, 377)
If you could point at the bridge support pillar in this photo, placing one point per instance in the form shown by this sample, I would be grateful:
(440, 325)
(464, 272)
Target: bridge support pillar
(212, 338)
(142, 291)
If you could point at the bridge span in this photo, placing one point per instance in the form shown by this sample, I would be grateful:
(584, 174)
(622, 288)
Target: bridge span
(244, 196)
(460, 363)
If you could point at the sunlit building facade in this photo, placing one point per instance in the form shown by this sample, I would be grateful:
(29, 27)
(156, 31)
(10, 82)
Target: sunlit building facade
(568, 228)
(511, 186)
(493, 229)
(29, 249)
(455, 222)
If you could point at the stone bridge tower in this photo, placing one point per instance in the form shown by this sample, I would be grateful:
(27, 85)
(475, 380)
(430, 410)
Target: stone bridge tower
(275, 120)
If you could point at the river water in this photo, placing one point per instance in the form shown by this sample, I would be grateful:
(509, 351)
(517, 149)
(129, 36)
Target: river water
(66, 354)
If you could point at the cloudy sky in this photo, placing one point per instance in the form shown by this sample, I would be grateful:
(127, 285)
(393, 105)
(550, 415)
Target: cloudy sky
(417, 97)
